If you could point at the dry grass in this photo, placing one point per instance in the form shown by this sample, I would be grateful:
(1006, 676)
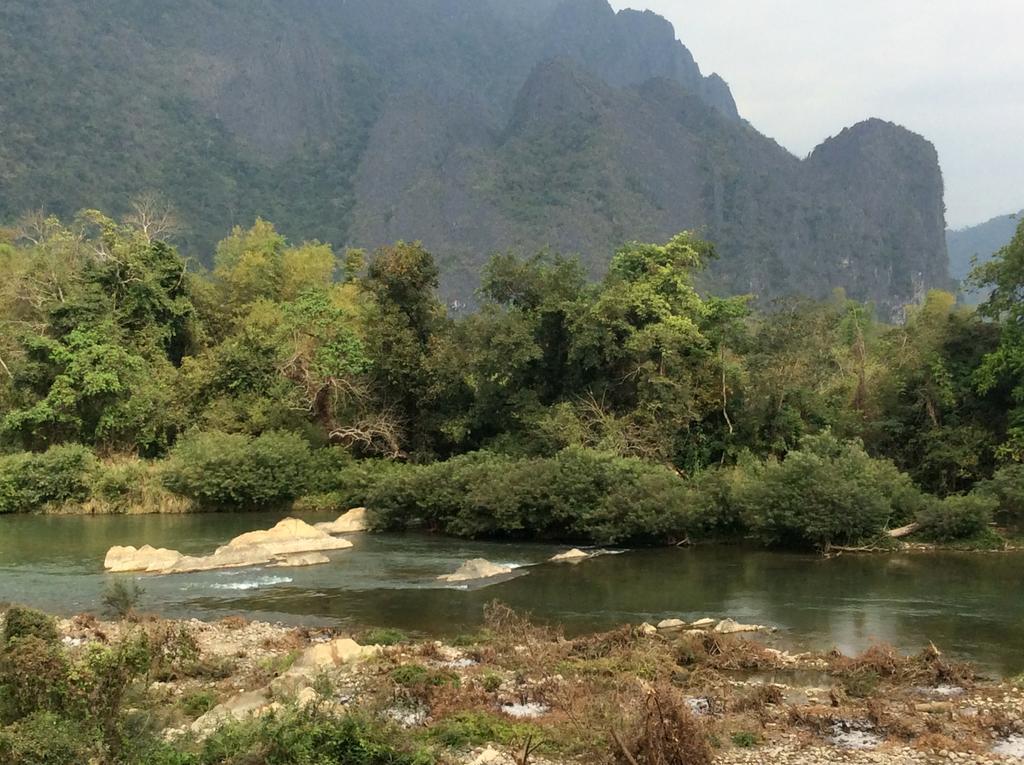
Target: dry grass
(665, 732)
(927, 667)
(234, 622)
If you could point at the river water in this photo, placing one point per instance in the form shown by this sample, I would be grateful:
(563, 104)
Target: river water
(969, 604)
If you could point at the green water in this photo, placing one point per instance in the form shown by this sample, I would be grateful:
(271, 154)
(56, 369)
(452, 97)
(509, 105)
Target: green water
(970, 605)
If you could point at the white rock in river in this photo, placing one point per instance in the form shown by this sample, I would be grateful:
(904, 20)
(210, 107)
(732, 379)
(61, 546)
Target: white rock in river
(352, 521)
(146, 558)
(256, 548)
(703, 624)
(301, 559)
(478, 568)
(289, 536)
(671, 624)
(572, 556)
(730, 627)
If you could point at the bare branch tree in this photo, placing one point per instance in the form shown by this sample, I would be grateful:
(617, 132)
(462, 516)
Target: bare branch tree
(378, 433)
(155, 217)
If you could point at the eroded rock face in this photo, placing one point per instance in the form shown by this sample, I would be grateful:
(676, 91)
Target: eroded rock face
(289, 543)
(478, 568)
(572, 556)
(352, 521)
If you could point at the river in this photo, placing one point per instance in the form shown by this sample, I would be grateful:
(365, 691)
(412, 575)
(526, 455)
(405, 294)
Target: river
(969, 604)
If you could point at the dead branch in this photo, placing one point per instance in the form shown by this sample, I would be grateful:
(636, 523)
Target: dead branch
(624, 749)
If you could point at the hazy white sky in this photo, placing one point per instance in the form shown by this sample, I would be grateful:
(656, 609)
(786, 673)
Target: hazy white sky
(952, 70)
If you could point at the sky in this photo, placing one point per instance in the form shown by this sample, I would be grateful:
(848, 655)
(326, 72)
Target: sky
(951, 70)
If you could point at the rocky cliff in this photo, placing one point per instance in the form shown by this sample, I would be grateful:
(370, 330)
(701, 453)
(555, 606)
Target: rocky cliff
(474, 125)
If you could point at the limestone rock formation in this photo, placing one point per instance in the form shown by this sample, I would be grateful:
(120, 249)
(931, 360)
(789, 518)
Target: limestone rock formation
(281, 545)
(145, 558)
(472, 125)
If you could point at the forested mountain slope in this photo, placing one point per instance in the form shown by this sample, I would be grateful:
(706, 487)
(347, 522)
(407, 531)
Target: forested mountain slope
(981, 242)
(473, 126)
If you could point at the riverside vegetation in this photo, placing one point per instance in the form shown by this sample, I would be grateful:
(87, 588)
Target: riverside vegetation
(632, 410)
(187, 693)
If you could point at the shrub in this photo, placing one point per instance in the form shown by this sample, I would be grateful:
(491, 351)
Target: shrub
(24, 622)
(744, 739)
(198, 703)
(663, 731)
(128, 485)
(28, 481)
(1006, 487)
(33, 677)
(44, 738)
(959, 517)
(476, 728)
(228, 470)
(827, 492)
(578, 494)
(312, 738)
(122, 598)
(385, 636)
(416, 676)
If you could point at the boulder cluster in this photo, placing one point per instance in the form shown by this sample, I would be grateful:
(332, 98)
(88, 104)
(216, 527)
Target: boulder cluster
(290, 543)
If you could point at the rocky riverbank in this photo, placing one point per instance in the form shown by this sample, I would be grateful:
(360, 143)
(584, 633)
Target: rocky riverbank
(517, 693)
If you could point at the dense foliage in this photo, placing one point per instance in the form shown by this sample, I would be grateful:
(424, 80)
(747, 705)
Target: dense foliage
(636, 408)
(68, 708)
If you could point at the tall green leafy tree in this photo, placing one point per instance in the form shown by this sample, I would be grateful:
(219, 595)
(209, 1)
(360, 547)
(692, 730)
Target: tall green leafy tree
(1004, 275)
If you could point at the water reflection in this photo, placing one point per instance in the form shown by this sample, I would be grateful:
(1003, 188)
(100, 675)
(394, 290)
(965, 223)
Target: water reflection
(968, 604)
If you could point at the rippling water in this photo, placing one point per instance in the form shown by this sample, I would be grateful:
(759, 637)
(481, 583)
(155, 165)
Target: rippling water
(970, 605)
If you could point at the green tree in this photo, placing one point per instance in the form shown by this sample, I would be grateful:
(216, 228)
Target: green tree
(1004, 275)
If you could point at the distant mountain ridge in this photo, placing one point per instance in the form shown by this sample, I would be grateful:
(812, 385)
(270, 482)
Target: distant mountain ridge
(981, 241)
(473, 125)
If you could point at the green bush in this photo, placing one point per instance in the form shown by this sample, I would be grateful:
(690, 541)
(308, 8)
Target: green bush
(466, 729)
(22, 622)
(744, 739)
(30, 480)
(308, 737)
(44, 738)
(417, 676)
(234, 471)
(578, 494)
(198, 703)
(33, 677)
(384, 636)
(122, 598)
(1006, 487)
(827, 492)
(956, 518)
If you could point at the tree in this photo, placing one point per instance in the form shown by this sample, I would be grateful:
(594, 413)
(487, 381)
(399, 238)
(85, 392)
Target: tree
(1004, 274)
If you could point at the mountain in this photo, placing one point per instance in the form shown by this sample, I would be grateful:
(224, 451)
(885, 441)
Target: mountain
(473, 125)
(981, 241)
